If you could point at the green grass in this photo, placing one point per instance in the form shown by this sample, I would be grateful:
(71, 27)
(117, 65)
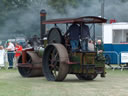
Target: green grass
(12, 84)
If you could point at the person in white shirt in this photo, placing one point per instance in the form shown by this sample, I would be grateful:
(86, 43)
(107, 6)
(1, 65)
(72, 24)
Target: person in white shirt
(2, 54)
(10, 49)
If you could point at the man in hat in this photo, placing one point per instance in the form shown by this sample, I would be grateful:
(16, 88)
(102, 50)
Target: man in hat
(11, 53)
(85, 36)
(74, 33)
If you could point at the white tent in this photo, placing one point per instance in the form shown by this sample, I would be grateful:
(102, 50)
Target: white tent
(115, 33)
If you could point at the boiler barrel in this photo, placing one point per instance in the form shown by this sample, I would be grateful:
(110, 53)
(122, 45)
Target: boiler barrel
(40, 52)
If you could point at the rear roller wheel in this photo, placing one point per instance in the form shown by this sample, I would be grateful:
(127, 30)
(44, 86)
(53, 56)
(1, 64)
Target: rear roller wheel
(86, 77)
(54, 62)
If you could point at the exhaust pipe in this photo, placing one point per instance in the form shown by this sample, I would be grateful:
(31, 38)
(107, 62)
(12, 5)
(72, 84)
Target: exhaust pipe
(42, 26)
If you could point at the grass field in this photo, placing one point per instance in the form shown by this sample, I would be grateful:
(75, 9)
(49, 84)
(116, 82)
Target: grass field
(12, 84)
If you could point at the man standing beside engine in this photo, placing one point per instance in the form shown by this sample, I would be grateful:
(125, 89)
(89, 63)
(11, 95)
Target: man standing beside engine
(11, 53)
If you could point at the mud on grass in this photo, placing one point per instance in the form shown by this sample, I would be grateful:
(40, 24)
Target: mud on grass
(12, 84)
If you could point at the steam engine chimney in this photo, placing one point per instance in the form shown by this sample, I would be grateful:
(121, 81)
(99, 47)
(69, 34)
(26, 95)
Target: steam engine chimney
(42, 26)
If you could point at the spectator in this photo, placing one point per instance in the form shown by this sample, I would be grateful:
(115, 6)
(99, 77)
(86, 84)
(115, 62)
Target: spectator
(85, 35)
(2, 54)
(99, 46)
(11, 53)
(74, 36)
(1, 47)
(18, 49)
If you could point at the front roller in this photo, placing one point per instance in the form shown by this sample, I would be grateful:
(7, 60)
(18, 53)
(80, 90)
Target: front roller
(32, 67)
(54, 62)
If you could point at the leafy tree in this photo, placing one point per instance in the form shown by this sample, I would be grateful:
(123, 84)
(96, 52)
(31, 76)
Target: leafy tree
(12, 4)
(60, 5)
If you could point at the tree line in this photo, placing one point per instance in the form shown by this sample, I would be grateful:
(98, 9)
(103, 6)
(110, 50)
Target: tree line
(9, 7)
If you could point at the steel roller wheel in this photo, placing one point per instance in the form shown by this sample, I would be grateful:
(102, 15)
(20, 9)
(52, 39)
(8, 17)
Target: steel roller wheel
(25, 71)
(86, 76)
(54, 62)
(55, 36)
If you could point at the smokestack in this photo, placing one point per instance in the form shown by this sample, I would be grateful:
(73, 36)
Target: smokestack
(42, 26)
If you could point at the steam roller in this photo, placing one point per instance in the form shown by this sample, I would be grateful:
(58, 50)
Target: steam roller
(51, 55)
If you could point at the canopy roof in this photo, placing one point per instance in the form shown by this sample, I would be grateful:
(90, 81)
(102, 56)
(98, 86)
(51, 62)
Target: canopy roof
(85, 19)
